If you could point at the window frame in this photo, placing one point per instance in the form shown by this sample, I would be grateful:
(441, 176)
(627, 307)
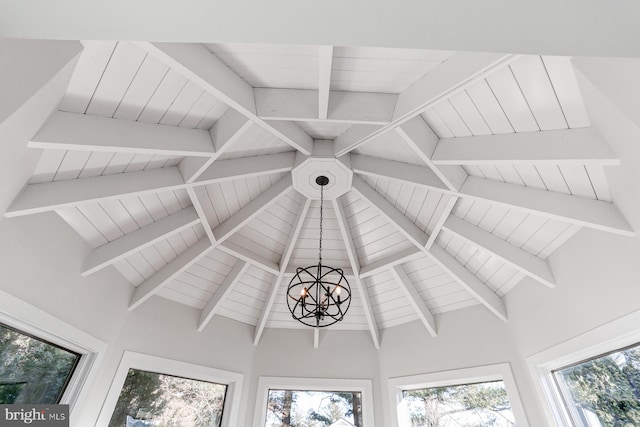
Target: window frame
(160, 365)
(364, 386)
(615, 335)
(455, 377)
(30, 320)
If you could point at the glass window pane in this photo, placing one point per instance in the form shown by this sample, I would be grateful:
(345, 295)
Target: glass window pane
(304, 408)
(32, 371)
(605, 391)
(152, 399)
(469, 405)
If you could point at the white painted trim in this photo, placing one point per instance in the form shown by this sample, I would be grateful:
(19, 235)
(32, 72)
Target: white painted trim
(132, 360)
(364, 386)
(616, 334)
(499, 371)
(27, 318)
(325, 60)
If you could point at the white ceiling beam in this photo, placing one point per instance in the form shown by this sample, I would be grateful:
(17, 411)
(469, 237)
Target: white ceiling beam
(407, 228)
(397, 171)
(36, 198)
(423, 141)
(222, 293)
(166, 274)
(514, 256)
(252, 209)
(224, 133)
(581, 211)
(390, 261)
(251, 257)
(343, 107)
(353, 135)
(197, 206)
(556, 147)
(345, 231)
(246, 167)
(133, 242)
(325, 60)
(437, 227)
(196, 63)
(415, 299)
(284, 263)
(71, 131)
(469, 281)
(454, 74)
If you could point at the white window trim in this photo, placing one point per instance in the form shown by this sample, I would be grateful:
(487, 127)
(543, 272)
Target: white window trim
(501, 371)
(611, 336)
(145, 362)
(27, 318)
(364, 386)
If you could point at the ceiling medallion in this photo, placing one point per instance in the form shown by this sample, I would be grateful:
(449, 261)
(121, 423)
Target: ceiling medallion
(319, 295)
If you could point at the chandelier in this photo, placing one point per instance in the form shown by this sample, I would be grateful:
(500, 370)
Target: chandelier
(319, 295)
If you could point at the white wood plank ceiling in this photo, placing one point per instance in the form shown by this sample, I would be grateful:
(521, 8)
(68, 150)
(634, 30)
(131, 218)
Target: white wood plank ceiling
(174, 163)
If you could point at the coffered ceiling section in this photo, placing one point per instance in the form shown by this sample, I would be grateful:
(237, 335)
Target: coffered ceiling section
(182, 164)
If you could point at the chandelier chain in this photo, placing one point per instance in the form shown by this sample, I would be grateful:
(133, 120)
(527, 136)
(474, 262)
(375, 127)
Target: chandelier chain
(321, 206)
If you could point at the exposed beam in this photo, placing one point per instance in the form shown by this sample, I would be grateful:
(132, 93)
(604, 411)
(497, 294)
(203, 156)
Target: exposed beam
(343, 107)
(341, 217)
(415, 299)
(352, 135)
(222, 293)
(514, 256)
(196, 63)
(36, 198)
(407, 228)
(325, 60)
(70, 131)
(166, 274)
(249, 256)
(458, 71)
(449, 77)
(437, 227)
(590, 213)
(397, 171)
(469, 281)
(284, 263)
(224, 133)
(422, 141)
(391, 261)
(195, 201)
(252, 209)
(246, 167)
(118, 249)
(568, 146)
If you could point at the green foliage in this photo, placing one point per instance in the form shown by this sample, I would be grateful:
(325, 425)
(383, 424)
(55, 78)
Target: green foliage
(331, 408)
(169, 401)
(32, 371)
(609, 387)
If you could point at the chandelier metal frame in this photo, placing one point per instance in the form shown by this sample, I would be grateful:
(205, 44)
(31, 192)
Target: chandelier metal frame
(319, 295)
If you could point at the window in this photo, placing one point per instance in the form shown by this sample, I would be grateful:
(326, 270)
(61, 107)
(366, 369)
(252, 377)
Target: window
(592, 380)
(478, 405)
(308, 408)
(33, 370)
(314, 402)
(483, 396)
(603, 391)
(153, 391)
(157, 399)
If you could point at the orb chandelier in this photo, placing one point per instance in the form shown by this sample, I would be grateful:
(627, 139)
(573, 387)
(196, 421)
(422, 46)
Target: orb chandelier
(319, 295)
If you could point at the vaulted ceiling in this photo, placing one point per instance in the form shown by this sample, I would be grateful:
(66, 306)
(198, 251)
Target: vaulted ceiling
(180, 165)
